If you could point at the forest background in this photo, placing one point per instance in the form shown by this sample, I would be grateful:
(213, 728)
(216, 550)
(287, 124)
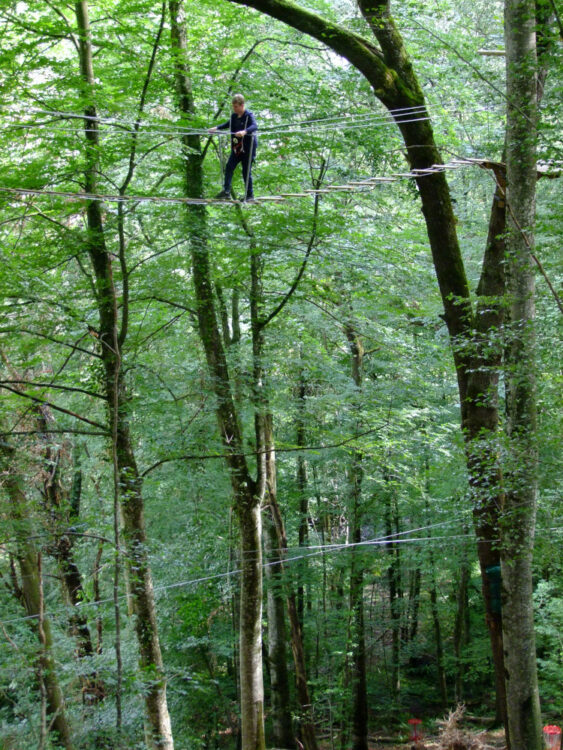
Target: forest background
(127, 569)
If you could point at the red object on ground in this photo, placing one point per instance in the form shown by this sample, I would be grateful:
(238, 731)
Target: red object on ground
(552, 737)
(416, 729)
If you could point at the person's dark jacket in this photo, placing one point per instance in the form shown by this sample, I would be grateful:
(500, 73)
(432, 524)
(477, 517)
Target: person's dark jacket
(247, 122)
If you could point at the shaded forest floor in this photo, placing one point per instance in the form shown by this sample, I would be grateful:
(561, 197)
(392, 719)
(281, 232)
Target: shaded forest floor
(472, 739)
(487, 739)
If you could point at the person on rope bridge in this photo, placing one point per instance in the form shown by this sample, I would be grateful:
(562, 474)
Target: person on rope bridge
(243, 127)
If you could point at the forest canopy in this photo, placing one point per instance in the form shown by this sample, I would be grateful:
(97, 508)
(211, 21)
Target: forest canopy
(285, 473)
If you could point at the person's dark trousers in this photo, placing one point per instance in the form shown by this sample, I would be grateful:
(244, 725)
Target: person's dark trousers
(235, 159)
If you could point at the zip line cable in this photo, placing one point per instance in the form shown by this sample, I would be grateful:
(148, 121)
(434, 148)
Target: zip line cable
(380, 541)
(183, 130)
(173, 130)
(320, 550)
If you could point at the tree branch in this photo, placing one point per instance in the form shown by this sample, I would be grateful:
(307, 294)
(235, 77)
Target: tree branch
(312, 239)
(53, 385)
(353, 47)
(39, 400)
(296, 449)
(50, 338)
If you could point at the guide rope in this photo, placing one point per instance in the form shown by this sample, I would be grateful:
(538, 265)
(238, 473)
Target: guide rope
(345, 121)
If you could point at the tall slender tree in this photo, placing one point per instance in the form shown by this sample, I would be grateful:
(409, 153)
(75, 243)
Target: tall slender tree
(248, 491)
(518, 524)
(112, 335)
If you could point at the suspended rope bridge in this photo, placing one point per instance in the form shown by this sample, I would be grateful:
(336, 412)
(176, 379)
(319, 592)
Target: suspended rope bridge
(352, 186)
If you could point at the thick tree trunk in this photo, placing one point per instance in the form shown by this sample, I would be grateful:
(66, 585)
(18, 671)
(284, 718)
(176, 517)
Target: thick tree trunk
(158, 727)
(518, 523)
(31, 588)
(480, 421)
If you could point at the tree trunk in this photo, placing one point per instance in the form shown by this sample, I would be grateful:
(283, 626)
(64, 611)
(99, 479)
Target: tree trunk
(251, 680)
(411, 626)
(358, 646)
(247, 492)
(518, 522)
(355, 476)
(301, 480)
(159, 730)
(460, 630)
(306, 724)
(440, 669)
(282, 734)
(31, 588)
(441, 672)
(62, 511)
(393, 581)
(265, 443)
(480, 422)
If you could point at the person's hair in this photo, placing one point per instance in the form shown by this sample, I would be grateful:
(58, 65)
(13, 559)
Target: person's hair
(238, 99)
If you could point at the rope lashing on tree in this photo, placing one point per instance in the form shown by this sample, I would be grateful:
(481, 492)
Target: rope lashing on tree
(353, 186)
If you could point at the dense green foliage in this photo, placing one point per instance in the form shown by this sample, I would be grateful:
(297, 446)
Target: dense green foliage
(369, 267)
